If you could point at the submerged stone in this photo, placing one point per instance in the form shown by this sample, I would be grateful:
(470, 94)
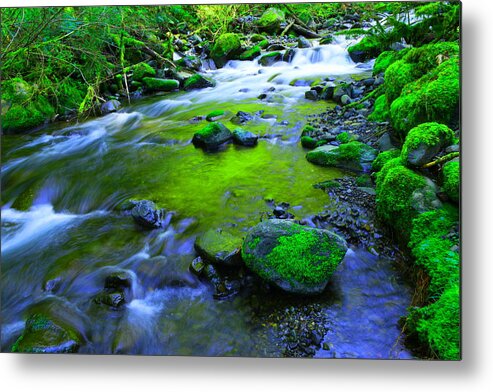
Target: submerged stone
(297, 259)
(146, 214)
(219, 247)
(244, 138)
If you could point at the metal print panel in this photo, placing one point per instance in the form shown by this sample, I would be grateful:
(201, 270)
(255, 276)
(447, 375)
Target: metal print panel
(261, 180)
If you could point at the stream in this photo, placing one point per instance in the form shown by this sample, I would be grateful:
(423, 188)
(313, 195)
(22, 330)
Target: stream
(71, 180)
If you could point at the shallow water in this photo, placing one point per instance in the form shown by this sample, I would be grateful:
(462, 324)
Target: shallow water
(61, 190)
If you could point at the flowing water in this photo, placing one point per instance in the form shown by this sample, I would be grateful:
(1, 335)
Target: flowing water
(60, 219)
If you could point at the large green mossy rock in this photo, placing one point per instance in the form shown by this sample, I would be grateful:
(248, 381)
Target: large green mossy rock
(23, 107)
(369, 47)
(271, 20)
(227, 47)
(142, 70)
(424, 142)
(251, 53)
(451, 180)
(297, 259)
(402, 195)
(197, 81)
(212, 136)
(354, 156)
(219, 247)
(269, 59)
(157, 84)
(53, 326)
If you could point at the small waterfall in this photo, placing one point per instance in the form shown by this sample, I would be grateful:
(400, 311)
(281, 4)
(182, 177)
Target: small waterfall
(328, 55)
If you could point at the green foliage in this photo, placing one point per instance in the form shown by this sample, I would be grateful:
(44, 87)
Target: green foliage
(451, 179)
(380, 110)
(383, 158)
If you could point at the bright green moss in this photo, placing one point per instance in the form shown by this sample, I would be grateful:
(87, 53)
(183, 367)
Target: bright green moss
(156, 84)
(434, 97)
(354, 156)
(432, 135)
(251, 53)
(28, 115)
(308, 130)
(270, 58)
(271, 20)
(227, 47)
(380, 110)
(257, 38)
(451, 180)
(428, 57)
(327, 185)
(214, 114)
(438, 324)
(364, 180)
(397, 76)
(385, 59)
(308, 142)
(383, 158)
(369, 46)
(210, 129)
(263, 44)
(433, 224)
(395, 186)
(197, 81)
(343, 137)
(142, 70)
(70, 95)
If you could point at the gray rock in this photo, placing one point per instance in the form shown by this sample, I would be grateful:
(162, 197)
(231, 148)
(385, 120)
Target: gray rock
(146, 214)
(303, 42)
(311, 95)
(345, 99)
(385, 142)
(244, 138)
(353, 156)
(212, 136)
(219, 247)
(110, 106)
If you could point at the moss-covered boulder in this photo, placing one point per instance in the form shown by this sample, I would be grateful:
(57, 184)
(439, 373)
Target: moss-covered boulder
(197, 81)
(212, 136)
(53, 326)
(271, 20)
(257, 38)
(369, 47)
(381, 110)
(397, 76)
(402, 195)
(219, 247)
(428, 57)
(424, 142)
(354, 156)
(387, 58)
(383, 158)
(142, 70)
(437, 325)
(298, 259)
(23, 107)
(251, 53)
(158, 84)
(227, 47)
(451, 180)
(269, 59)
(244, 138)
(432, 98)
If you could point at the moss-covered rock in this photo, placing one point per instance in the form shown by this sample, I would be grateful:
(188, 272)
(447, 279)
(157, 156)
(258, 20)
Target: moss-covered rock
(386, 59)
(402, 195)
(142, 70)
(251, 53)
(353, 156)
(383, 158)
(227, 47)
(432, 98)
(424, 142)
(53, 326)
(270, 58)
(369, 47)
(263, 44)
(157, 84)
(451, 180)
(219, 247)
(23, 107)
(381, 110)
(197, 81)
(271, 20)
(308, 142)
(430, 56)
(215, 115)
(212, 136)
(295, 258)
(438, 325)
(257, 38)
(397, 76)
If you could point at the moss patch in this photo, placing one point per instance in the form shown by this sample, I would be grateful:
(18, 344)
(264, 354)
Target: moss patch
(156, 84)
(451, 180)
(381, 110)
(227, 47)
(383, 158)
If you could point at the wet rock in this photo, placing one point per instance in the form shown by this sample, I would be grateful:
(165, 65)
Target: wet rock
(118, 280)
(345, 99)
(244, 138)
(197, 81)
(311, 95)
(295, 258)
(158, 84)
(241, 118)
(53, 326)
(223, 287)
(212, 136)
(146, 214)
(226, 47)
(269, 59)
(219, 247)
(110, 106)
(112, 299)
(303, 42)
(215, 115)
(52, 285)
(288, 55)
(197, 266)
(385, 142)
(271, 20)
(354, 156)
